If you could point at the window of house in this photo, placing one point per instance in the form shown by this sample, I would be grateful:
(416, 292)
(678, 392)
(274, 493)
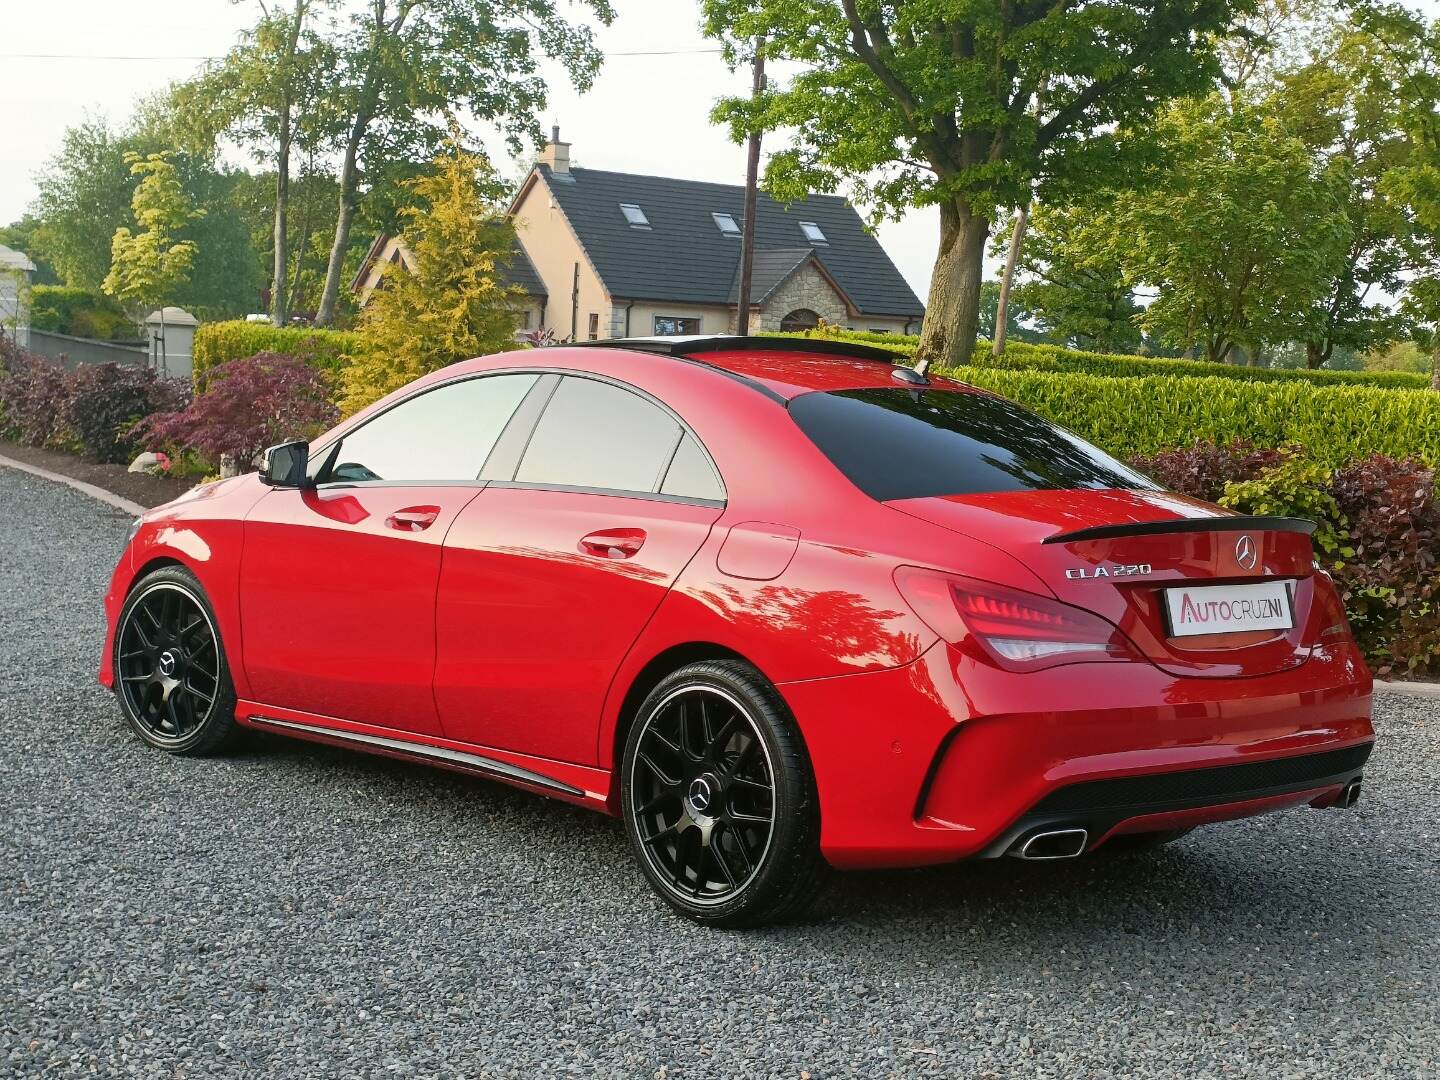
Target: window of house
(596, 435)
(675, 325)
(799, 319)
(726, 224)
(441, 434)
(813, 232)
(634, 216)
(594, 327)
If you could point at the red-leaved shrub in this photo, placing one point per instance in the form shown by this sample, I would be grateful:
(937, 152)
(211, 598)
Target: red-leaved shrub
(33, 396)
(1203, 470)
(248, 404)
(1391, 585)
(105, 401)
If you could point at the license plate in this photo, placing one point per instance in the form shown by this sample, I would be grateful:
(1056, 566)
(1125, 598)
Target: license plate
(1229, 609)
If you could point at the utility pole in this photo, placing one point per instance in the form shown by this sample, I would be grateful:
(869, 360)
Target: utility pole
(752, 180)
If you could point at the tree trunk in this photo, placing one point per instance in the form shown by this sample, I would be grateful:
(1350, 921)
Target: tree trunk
(344, 217)
(301, 248)
(1316, 354)
(947, 337)
(281, 267)
(1002, 309)
(278, 277)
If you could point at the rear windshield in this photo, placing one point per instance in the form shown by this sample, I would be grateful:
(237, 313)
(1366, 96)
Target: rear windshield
(909, 444)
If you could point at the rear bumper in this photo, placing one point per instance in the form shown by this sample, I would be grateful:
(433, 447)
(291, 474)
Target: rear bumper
(949, 759)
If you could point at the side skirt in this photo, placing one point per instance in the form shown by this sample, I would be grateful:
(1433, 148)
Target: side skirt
(573, 783)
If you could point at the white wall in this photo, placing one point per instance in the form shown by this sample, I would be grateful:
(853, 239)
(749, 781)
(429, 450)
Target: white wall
(14, 305)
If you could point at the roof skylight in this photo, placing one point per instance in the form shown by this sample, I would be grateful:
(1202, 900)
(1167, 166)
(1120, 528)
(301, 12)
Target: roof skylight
(635, 216)
(812, 232)
(726, 224)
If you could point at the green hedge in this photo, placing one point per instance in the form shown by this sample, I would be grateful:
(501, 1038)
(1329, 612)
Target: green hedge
(1025, 357)
(218, 342)
(1054, 357)
(64, 310)
(1142, 415)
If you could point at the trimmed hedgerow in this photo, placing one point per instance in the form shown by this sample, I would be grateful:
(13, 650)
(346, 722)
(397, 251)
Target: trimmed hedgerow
(1021, 356)
(219, 342)
(1132, 416)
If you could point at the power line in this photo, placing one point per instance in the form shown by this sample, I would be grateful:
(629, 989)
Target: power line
(90, 56)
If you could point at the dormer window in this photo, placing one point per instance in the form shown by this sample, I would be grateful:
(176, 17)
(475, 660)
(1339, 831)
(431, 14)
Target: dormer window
(726, 224)
(812, 232)
(634, 216)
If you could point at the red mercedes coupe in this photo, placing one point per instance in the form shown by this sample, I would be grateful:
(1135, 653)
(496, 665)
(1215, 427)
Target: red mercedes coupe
(779, 604)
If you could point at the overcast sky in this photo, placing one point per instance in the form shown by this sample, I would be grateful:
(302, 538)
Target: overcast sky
(646, 114)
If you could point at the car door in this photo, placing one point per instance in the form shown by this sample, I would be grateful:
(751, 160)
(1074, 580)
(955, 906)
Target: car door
(338, 581)
(553, 570)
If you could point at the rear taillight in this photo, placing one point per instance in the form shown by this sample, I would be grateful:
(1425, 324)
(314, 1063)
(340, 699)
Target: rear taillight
(1018, 630)
(1330, 621)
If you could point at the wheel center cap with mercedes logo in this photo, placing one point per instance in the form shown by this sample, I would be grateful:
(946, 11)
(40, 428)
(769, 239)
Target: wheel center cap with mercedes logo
(701, 794)
(1245, 552)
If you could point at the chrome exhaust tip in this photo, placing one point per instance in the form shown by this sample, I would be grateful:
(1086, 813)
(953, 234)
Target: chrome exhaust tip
(1053, 844)
(1350, 796)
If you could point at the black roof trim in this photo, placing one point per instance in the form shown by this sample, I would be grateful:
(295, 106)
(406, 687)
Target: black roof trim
(689, 346)
(1223, 523)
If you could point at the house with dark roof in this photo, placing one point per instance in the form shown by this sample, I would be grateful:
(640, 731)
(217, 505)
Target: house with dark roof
(391, 251)
(608, 254)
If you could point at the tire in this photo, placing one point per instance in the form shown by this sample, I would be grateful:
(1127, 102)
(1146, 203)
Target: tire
(1138, 843)
(719, 798)
(171, 675)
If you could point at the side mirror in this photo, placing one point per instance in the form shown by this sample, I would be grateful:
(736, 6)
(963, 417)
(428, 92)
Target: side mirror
(286, 464)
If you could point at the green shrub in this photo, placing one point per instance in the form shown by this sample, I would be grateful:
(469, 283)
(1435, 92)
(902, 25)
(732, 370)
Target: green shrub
(63, 310)
(1020, 356)
(1134, 416)
(1379, 533)
(218, 342)
(1296, 487)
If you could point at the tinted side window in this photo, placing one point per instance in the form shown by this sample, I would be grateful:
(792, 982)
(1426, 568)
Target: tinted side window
(907, 444)
(691, 475)
(596, 435)
(442, 434)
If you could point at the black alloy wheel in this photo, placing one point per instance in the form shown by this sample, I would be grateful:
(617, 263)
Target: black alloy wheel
(719, 800)
(170, 671)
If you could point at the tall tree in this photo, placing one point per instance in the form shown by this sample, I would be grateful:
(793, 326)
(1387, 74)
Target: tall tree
(453, 302)
(269, 93)
(1339, 107)
(406, 64)
(83, 197)
(1407, 47)
(146, 267)
(85, 194)
(1240, 230)
(966, 106)
(1074, 283)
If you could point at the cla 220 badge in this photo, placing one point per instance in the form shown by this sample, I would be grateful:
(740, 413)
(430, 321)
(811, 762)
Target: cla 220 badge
(1112, 571)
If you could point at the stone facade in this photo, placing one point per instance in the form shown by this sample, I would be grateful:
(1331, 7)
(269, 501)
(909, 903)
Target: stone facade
(806, 288)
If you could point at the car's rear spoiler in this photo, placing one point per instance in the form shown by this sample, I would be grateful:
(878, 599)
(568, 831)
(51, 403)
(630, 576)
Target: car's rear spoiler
(1233, 523)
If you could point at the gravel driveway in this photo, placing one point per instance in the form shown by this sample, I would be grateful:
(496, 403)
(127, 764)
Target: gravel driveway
(297, 911)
